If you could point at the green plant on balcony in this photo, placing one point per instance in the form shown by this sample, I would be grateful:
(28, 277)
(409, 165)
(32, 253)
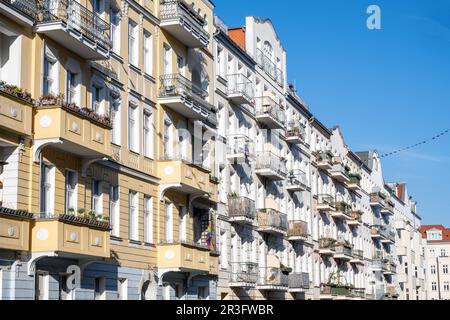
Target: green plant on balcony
(233, 195)
(214, 179)
(15, 91)
(285, 270)
(343, 206)
(382, 195)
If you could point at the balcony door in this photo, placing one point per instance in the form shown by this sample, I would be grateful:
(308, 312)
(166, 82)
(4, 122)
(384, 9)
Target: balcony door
(74, 14)
(181, 66)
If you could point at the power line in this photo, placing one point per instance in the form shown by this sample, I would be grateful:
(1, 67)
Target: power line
(438, 136)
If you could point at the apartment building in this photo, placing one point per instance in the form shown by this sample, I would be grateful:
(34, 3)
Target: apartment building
(148, 151)
(409, 246)
(436, 251)
(97, 203)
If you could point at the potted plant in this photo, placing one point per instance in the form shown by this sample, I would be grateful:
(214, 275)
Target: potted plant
(233, 195)
(285, 270)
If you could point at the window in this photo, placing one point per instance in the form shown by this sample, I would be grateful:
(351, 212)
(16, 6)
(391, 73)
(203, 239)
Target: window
(47, 190)
(99, 288)
(10, 55)
(224, 251)
(432, 253)
(116, 122)
(167, 60)
(50, 74)
(445, 269)
(182, 223)
(169, 222)
(72, 88)
(433, 286)
(446, 286)
(202, 293)
(406, 267)
(148, 53)
(97, 197)
(132, 43)
(148, 219)
(443, 253)
(134, 216)
(133, 122)
(115, 30)
(98, 7)
(221, 62)
(97, 99)
(433, 269)
(122, 289)
(148, 134)
(71, 191)
(114, 210)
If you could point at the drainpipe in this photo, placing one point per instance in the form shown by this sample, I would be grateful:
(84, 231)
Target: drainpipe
(439, 278)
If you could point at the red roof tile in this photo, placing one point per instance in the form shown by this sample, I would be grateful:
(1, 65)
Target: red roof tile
(445, 231)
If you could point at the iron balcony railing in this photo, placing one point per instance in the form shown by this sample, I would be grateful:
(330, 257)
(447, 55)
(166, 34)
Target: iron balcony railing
(356, 253)
(341, 249)
(384, 231)
(355, 179)
(240, 84)
(244, 272)
(295, 129)
(325, 199)
(273, 277)
(79, 18)
(178, 9)
(325, 156)
(298, 280)
(378, 197)
(297, 177)
(27, 7)
(266, 106)
(173, 85)
(335, 290)
(298, 228)
(269, 67)
(269, 160)
(241, 207)
(239, 143)
(270, 218)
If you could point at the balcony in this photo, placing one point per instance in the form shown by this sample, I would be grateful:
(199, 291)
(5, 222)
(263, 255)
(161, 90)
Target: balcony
(329, 292)
(327, 246)
(15, 229)
(182, 21)
(383, 262)
(21, 11)
(402, 251)
(70, 236)
(243, 275)
(357, 257)
(270, 166)
(76, 28)
(324, 160)
(388, 209)
(182, 96)
(241, 210)
(239, 148)
(298, 230)
(382, 233)
(16, 111)
(295, 133)
(342, 211)
(187, 257)
(240, 89)
(377, 200)
(186, 177)
(296, 181)
(325, 203)
(72, 129)
(355, 218)
(269, 113)
(269, 67)
(272, 279)
(339, 172)
(354, 183)
(342, 252)
(298, 282)
(272, 222)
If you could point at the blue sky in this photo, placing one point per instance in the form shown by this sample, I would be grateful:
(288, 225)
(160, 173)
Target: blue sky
(386, 88)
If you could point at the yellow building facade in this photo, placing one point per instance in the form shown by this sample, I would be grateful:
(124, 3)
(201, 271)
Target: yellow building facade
(106, 150)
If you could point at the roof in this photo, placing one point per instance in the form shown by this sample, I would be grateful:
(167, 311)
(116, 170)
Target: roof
(445, 231)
